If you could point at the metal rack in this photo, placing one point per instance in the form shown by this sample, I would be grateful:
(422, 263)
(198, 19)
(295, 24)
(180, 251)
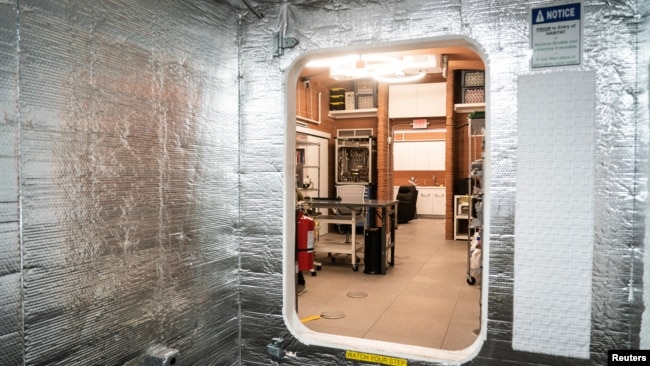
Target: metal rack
(356, 160)
(356, 163)
(476, 132)
(308, 168)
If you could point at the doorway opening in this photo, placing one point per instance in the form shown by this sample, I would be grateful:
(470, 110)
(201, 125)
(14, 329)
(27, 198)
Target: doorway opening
(427, 284)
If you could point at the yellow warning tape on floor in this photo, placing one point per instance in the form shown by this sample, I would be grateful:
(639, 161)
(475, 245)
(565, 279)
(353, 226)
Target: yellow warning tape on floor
(369, 357)
(310, 318)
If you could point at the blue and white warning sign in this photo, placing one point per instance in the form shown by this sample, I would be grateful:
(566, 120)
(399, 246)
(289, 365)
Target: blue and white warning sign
(555, 35)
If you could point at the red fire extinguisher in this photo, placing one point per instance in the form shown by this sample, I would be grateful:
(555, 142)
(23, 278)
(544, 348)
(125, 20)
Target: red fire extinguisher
(305, 242)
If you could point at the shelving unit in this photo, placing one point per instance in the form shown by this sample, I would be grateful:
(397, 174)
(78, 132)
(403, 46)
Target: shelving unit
(314, 161)
(353, 113)
(476, 131)
(308, 168)
(353, 248)
(469, 107)
(461, 217)
(364, 100)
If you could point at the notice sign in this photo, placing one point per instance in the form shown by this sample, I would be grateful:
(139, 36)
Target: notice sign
(555, 37)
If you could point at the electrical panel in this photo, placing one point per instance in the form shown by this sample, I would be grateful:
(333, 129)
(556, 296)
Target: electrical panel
(356, 160)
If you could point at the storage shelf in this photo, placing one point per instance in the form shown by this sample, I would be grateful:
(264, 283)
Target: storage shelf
(461, 220)
(469, 107)
(353, 113)
(310, 152)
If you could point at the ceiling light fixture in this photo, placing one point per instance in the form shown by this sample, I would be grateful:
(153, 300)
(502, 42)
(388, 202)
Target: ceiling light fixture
(328, 62)
(400, 78)
(380, 67)
(364, 66)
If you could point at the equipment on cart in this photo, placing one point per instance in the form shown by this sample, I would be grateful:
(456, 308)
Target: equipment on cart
(350, 193)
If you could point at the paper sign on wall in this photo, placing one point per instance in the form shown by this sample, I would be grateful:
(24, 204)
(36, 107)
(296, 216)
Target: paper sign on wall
(555, 35)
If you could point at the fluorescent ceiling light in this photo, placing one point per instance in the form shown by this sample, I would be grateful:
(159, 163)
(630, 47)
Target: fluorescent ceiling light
(400, 78)
(365, 66)
(380, 67)
(328, 62)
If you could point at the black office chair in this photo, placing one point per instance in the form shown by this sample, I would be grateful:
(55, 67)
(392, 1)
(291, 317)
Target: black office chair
(407, 205)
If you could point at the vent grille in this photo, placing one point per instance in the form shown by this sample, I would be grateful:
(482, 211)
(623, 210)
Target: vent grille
(359, 132)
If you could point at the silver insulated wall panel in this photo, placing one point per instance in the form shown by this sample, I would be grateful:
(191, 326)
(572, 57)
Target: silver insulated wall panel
(11, 335)
(144, 199)
(612, 272)
(119, 182)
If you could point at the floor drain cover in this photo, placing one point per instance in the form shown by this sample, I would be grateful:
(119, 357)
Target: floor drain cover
(357, 294)
(332, 315)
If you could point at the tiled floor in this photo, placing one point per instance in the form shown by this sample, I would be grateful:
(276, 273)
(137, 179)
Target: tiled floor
(424, 300)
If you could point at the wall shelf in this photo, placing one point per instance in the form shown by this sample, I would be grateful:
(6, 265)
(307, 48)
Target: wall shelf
(353, 113)
(469, 107)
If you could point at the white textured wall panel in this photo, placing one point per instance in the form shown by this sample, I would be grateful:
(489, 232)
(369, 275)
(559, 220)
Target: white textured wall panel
(554, 214)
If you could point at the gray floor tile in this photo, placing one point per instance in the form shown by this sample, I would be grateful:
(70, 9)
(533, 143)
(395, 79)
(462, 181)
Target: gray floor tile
(424, 300)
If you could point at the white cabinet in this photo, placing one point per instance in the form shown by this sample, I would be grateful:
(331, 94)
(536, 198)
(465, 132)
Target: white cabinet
(404, 156)
(417, 100)
(439, 201)
(431, 201)
(425, 201)
(419, 155)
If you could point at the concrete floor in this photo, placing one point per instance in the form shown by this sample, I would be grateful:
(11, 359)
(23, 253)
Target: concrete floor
(424, 300)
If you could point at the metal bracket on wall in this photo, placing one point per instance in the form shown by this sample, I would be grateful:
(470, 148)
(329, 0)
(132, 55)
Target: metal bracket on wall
(257, 13)
(280, 43)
